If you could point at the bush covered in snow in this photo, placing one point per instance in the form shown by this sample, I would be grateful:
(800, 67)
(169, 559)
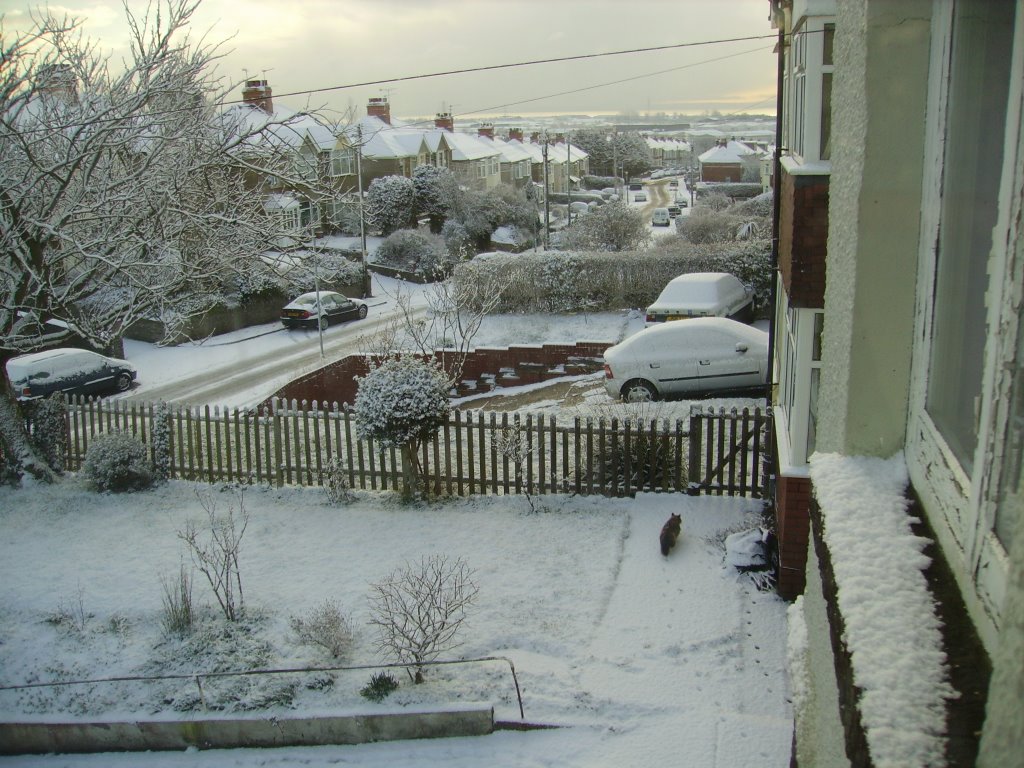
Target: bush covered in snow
(117, 461)
(612, 227)
(324, 627)
(390, 203)
(160, 440)
(708, 226)
(49, 430)
(413, 251)
(577, 281)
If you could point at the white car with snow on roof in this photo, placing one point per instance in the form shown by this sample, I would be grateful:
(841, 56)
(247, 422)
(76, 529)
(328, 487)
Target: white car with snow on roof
(701, 356)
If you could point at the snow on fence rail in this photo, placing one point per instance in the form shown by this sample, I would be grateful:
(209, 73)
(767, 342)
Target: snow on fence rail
(294, 443)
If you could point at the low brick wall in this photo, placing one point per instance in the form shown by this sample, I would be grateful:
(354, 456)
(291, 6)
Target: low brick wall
(137, 736)
(484, 369)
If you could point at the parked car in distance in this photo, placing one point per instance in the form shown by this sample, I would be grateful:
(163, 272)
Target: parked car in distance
(635, 186)
(682, 200)
(640, 197)
(673, 211)
(334, 308)
(702, 294)
(673, 184)
(660, 217)
(68, 370)
(710, 354)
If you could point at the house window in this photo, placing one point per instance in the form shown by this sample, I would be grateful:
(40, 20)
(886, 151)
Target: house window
(343, 162)
(808, 128)
(981, 52)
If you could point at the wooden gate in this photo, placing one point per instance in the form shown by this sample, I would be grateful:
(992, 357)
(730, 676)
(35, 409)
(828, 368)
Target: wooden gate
(729, 452)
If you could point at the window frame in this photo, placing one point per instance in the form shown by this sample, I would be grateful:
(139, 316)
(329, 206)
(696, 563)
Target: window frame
(962, 506)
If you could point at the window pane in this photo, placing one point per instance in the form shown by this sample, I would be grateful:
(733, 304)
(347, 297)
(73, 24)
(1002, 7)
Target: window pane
(826, 116)
(979, 80)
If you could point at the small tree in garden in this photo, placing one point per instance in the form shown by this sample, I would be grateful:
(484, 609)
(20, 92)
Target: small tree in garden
(436, 194)
(49, 430)
(420, 608)
(161, 441)
(215, 553)
(399, 404)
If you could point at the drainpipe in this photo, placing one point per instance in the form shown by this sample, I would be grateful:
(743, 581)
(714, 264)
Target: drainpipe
(776, 213)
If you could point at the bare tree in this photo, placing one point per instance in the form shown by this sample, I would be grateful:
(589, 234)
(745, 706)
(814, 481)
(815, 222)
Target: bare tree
(215, 552)
(124, 193)
(419, 609)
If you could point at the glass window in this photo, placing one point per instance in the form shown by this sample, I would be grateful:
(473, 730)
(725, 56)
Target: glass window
(980, 54)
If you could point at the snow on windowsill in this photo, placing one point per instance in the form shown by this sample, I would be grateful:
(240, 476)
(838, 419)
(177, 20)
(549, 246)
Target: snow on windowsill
(892, 631)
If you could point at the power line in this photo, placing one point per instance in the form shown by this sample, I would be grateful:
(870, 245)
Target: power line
(512, 65)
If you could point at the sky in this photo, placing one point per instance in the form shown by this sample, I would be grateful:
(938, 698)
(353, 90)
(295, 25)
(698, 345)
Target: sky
(322, 45)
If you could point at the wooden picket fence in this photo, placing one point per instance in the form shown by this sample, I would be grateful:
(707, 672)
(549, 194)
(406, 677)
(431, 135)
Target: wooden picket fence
(299, 444)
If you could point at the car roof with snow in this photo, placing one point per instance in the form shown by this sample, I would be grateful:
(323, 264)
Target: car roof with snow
(709, 330)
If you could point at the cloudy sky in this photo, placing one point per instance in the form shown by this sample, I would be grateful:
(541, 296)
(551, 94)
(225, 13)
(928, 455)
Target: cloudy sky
(327, 46)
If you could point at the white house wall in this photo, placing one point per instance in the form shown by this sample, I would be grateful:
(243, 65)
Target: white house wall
(874, 205)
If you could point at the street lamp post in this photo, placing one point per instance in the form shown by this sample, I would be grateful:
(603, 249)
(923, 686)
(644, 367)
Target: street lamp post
(367, 289)
(547, 210)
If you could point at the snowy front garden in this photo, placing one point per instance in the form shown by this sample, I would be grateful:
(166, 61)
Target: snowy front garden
(670, 656)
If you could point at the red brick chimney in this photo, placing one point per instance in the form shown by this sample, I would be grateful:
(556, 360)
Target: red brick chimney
(515, 133)
(444, 121)
(486, 130)
(258, 94)
(379, 107)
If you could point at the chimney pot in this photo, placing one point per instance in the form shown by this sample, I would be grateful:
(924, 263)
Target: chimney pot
(380, 108)
(258, 94)
(444, 121)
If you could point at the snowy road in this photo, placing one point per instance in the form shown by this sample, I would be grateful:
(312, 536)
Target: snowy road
(244, 368)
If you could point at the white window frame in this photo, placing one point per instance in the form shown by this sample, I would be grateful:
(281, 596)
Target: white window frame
(343, 162)
(803, 88)
(962, 507)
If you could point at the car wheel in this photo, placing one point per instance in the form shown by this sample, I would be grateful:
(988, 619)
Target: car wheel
(362, 311)
(639, 391)
(324, 322)
(123, 382)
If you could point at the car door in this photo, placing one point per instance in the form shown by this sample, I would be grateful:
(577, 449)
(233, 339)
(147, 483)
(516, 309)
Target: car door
(673, 370)
(346, 309)
(721, 365)
(96, 374)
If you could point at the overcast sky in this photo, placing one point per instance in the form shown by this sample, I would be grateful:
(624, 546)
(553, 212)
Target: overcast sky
(299, 45)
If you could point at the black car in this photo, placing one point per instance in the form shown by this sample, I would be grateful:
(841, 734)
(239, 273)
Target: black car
(303, 312)
(68, 370)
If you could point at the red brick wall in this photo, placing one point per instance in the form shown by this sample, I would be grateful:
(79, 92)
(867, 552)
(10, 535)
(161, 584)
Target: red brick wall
(721, 172)
(803, 238)
(792, 517)
(510, 366)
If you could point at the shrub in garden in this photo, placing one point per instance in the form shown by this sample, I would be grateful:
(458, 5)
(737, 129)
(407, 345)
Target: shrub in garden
(178, 614)
(381, 686)
(419, 609)
(335, 481)
(117, 461)
(161, 441)
(325, 627)
(413, 251)
(49, 430)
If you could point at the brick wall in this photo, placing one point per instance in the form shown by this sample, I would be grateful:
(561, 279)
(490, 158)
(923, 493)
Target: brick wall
(484, 368)
(792, 517)
(721, 172)
(803, 238)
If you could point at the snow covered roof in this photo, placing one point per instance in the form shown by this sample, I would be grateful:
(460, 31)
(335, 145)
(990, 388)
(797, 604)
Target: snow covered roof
(722, 155)
(535, 151)
(285, 125)
(382, 141)
(466, 146)
(511, 152)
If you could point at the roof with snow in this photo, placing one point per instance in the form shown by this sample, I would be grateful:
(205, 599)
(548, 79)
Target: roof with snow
(283, 124)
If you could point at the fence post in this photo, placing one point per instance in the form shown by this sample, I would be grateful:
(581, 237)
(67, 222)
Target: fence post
(278, 469)
(696, 440)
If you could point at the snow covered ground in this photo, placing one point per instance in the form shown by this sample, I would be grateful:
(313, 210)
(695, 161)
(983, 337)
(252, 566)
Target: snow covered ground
(644, 660)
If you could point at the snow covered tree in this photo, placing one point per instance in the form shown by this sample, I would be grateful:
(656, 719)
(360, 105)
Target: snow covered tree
(437, 192)
(612, 227)
(122, 195)
(481, 214)
(401, 403)
(626, 148)
(390, 203)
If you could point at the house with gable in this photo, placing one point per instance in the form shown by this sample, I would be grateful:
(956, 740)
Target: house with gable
(475, 162)
(304, 189)
(898, 336)
(516, 163)
(728, 161)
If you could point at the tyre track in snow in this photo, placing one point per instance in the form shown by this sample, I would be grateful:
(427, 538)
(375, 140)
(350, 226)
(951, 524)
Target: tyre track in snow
(248, 382)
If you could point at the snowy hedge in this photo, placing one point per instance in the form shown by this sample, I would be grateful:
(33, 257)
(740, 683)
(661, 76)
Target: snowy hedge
(412, 251)
(572, 281)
